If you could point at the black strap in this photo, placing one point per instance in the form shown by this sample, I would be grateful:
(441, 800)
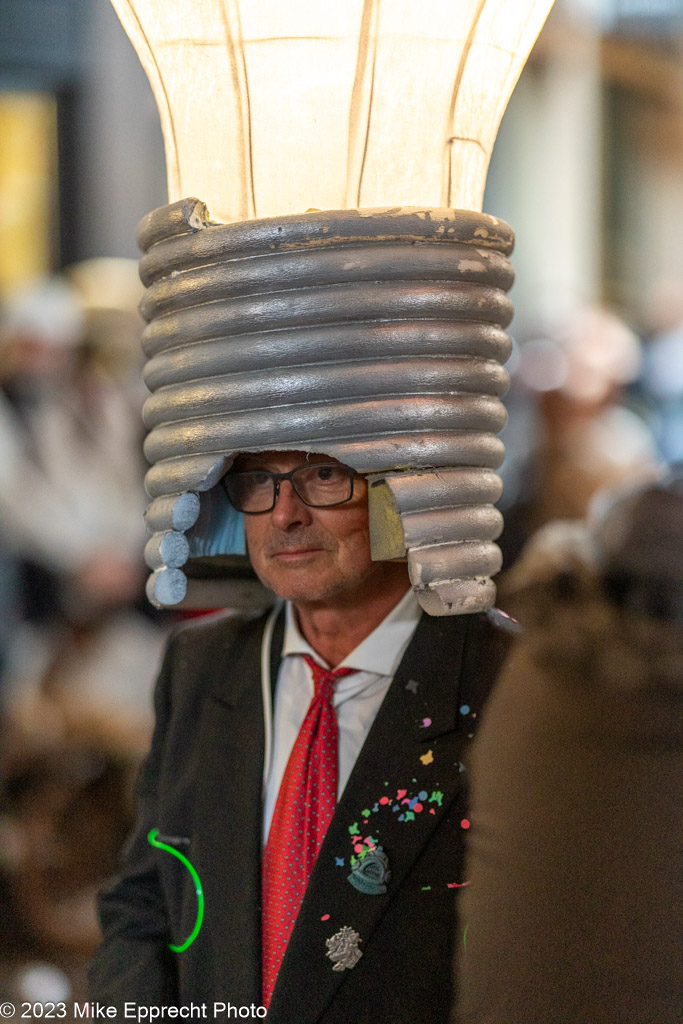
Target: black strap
(276, 641)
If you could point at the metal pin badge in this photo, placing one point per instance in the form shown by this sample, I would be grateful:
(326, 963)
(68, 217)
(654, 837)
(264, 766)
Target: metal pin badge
(343, 948)
(371, 874)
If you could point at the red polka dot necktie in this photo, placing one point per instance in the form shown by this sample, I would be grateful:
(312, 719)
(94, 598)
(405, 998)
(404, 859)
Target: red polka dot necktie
(303, 811)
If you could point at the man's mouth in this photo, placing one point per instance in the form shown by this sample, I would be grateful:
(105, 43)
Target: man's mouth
(295, 554)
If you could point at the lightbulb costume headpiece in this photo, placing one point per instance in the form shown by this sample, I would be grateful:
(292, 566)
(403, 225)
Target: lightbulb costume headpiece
(373, 336)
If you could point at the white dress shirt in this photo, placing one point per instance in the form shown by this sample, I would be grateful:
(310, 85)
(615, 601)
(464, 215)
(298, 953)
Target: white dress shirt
(356, 697)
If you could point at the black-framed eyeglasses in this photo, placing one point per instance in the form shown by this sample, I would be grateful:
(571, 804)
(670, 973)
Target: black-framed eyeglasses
(318, 484)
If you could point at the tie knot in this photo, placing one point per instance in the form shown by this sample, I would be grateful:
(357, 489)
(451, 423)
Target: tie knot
(325, 678)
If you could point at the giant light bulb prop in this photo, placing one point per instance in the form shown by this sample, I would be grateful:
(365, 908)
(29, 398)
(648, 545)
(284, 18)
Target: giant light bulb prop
(373, 332)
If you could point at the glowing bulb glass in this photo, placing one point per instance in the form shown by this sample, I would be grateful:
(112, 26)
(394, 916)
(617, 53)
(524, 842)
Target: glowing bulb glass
(271, 107)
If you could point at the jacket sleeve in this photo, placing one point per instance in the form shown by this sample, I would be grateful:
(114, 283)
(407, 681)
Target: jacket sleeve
(134, 962)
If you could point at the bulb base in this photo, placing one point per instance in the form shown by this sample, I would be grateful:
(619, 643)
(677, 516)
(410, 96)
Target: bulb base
(373, 336)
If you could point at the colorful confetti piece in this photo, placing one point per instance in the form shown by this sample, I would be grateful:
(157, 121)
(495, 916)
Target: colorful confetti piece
(427, 758)
(409, 816)
(426, 888)
(325, 917)
(365, 813)
(456, 885)
(464, 823)
(464, 709)
(339, 862)
(384, 800)
(426, 722)
(353, 829)
(436, 797)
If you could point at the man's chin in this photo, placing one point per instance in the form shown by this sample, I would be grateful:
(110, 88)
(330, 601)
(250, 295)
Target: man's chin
(302, 580)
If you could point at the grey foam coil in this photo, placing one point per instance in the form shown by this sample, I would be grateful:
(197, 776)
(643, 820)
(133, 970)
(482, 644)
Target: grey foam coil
(375, 336)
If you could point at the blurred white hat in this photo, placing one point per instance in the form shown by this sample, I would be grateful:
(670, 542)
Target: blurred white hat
(110, 290)
(45, 310)
(107, 282)
(585, 357)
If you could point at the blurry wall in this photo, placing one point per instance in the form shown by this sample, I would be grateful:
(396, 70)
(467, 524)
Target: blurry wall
(86, 162)
(588, 165)
(122, 170)
(545, 171)
(28, 166)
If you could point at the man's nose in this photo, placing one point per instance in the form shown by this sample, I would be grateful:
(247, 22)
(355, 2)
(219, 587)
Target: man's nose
(289, 509)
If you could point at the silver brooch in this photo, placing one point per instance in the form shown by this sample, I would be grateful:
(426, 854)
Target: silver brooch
(371, 874)
(343, 948)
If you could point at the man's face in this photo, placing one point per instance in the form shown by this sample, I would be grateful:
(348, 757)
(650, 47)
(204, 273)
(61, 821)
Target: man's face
(303, 553)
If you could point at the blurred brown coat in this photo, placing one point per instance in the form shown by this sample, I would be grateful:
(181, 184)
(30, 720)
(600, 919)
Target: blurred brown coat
(573, 909)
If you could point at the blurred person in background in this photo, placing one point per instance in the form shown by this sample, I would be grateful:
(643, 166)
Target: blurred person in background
(80, 655)
(38, 328)
(68, 479)
(572, 910)
(585, 436)
(70, 486)
(662, 378)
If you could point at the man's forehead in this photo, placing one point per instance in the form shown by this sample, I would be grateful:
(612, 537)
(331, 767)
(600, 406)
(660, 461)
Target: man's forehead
(278, 460)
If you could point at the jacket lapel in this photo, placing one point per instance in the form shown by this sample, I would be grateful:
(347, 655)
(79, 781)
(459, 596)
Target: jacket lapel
(229, 813)
(406, 776)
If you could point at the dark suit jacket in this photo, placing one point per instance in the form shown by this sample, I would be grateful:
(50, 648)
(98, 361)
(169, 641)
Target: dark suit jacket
(202, 781)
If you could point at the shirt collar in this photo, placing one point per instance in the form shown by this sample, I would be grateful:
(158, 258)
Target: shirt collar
(380, 652)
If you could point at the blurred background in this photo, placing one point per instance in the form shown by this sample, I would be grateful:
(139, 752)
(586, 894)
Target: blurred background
(588, 169)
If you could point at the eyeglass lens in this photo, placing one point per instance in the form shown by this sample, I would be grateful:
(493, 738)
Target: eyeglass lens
(318, 485)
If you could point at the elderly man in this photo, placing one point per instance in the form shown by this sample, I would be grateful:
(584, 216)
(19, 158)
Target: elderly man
(307, 765)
